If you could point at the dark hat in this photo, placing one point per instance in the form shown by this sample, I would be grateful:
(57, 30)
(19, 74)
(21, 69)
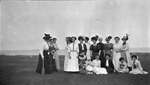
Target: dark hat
(87, 38)
(80, 38)
(47, 36)
(108, 38)
(134, 56)
(68, 39)
(121, 59)
(97, 36)
(54, 38)
(117, 37)
(73, 37)
(125, 37)
(94, 38)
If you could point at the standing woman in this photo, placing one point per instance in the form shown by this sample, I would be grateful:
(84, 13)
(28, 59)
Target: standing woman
(108, 47)
(116, 53)
(101, 51)
(46, 56)
(66, 59)
(94, 50)
(56, 53)
(87, 43)
(72, 64)
(82, 53)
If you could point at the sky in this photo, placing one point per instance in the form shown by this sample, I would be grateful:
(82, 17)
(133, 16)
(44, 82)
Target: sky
(23, 22)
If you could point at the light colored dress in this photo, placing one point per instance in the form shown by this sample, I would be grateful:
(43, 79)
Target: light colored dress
(125, 53)
(116, 55)
(66, 59)
(123, 67)
(137, 68)
(88, 50)
(97, 68)
(71, 60)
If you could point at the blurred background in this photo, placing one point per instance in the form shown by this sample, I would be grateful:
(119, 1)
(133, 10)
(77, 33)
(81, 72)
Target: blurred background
(23, 22)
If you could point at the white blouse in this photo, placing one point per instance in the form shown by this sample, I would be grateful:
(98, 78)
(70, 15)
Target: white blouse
(44, 46)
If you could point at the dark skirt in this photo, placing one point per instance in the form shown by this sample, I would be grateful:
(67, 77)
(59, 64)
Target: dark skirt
(39, 65)
(102, 58)
(48, 63)
(109, 69)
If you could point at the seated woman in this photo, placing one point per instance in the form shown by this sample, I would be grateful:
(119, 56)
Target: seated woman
(109, 64)
(97, 69)
(136, 66)
(123, 66)
(88, 67)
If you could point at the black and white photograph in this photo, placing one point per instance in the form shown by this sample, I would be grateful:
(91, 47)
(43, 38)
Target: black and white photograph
(74, 42)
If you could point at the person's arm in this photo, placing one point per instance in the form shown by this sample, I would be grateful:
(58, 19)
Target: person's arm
(42, 49)
(99, 63)
(125, 48)
(139, 65)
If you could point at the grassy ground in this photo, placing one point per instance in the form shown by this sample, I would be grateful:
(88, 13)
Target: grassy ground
(20, 70)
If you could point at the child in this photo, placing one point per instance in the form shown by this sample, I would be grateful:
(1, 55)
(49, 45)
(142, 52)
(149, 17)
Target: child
(136, 66)
(97, 66)
(109, 64)
(122, 66)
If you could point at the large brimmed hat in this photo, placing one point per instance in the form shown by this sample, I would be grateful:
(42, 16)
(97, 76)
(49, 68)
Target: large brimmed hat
(47, 36)
(94, 38)
(80, 38)
(125, 37)
(117, 37)
(86, 38)
(73, 37)
(108, 38)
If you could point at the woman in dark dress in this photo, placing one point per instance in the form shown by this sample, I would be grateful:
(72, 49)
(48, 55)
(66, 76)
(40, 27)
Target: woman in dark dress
(101, 52)
(108, 47)
(46, 59)
(94, 50)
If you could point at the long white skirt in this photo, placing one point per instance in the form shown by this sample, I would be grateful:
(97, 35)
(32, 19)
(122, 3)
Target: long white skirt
(72, 63)
(99, 70)
(116, 57)
(137, 71)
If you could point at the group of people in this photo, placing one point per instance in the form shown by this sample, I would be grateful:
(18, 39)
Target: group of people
(90, 58)
(47, 55)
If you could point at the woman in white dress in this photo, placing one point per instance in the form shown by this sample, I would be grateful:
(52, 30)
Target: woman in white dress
(87, 43)
(72, 59)
(125, 51)
(97, 69)
(68, 41)
(136, 66)
(116, 53)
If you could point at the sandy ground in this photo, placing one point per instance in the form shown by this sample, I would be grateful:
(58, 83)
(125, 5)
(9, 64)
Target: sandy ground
(20, 70)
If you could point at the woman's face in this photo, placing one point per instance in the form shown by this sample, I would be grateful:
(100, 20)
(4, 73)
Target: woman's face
(133, 58)
(124, 40)
(81, 41)
(73, 39)
(117, 40)
(108, 41)
(100, 39)
(94, 41)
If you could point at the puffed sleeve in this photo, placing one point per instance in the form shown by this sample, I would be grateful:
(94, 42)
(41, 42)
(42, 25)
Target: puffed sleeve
(91, 47)
(44, 46)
